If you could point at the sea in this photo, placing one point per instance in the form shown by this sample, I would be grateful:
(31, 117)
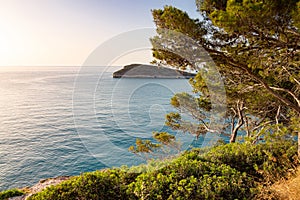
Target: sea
(64, 121)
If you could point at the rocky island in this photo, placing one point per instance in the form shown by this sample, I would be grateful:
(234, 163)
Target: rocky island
(150, 71)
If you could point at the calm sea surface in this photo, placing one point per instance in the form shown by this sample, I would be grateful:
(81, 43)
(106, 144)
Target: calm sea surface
(65, 121)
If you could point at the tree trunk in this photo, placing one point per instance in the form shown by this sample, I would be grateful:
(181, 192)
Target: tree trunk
(233, 135)
(235, 130)
(239, 110)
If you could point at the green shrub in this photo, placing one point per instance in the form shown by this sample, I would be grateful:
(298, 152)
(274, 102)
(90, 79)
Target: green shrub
(193, 179)
(10, 193)
(266, 162)
(108, 184)
(231, 171)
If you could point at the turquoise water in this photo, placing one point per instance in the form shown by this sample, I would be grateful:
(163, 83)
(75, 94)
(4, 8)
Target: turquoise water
(65, 121)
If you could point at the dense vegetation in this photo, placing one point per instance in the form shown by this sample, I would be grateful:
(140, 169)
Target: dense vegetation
(253, 45)
(10, 193)
(247, 54)
(227, 171)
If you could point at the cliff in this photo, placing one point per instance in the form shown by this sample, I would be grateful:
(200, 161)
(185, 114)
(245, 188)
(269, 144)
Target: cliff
(150, 71)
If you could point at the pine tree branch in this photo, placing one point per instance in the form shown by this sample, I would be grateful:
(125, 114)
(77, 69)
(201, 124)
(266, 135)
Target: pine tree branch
(289, 92)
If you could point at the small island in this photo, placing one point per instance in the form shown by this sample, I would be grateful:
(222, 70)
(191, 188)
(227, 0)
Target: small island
(151, 71)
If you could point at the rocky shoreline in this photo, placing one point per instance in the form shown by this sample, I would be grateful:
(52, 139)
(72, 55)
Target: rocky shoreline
(42, 184)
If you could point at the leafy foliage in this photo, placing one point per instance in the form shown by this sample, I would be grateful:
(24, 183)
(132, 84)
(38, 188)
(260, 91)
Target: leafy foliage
(107, 184)
(192, 179)
(255, 47)
(165, 145)
(231, 171)
(10, 193)
(265, 162)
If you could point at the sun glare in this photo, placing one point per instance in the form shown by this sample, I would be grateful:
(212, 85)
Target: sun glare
(14, 48)
(4, 44)
(9, 47)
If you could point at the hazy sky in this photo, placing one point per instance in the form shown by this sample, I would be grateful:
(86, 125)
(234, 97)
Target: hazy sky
(65, 32)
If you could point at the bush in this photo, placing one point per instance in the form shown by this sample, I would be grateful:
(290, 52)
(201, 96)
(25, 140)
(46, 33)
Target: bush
(108, 184)
(10, 193)
(265, 162)
(231, 171)
(193, 179)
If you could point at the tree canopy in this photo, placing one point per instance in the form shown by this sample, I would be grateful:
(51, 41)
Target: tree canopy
(255, 46)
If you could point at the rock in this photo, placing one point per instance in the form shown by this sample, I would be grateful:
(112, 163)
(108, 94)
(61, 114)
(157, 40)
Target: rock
(46, 183)
(23, 197)
(150, 71)
(40, 186)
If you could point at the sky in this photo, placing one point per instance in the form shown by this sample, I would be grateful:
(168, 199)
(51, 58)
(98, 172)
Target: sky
(66, 32)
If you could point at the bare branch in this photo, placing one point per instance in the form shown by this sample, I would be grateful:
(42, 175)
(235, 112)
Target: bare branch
(277, 115)
(287, 71)
(288, 91)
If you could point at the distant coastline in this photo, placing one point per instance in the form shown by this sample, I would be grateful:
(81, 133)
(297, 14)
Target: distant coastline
(151, 71)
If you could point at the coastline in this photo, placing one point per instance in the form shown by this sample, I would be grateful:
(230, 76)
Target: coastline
(151, 71)
(42, 184)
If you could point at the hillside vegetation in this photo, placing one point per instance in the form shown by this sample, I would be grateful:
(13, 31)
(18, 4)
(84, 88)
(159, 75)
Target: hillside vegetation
(231, 171)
